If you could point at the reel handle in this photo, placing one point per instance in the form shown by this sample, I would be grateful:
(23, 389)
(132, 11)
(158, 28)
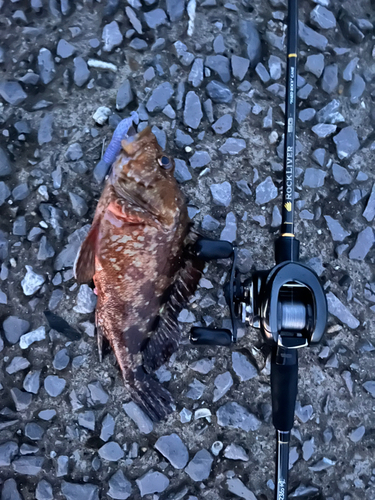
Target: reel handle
(210, 336)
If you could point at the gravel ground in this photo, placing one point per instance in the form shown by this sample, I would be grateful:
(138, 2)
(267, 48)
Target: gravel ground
(210, 79)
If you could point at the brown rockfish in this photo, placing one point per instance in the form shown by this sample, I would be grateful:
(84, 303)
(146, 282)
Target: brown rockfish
(139, 254)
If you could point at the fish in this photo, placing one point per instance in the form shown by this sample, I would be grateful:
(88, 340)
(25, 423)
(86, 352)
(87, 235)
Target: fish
(140, 254)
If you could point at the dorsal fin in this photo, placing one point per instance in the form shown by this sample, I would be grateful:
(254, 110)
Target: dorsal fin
(84, 266)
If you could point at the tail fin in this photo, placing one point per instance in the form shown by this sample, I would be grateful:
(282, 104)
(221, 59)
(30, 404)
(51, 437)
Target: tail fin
(149, 394)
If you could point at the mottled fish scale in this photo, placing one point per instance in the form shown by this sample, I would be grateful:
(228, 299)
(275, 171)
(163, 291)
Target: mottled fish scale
(138, 252)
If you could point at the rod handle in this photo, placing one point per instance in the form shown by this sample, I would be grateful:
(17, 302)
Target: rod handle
(210, 336)
(213, 249)
(284, 387)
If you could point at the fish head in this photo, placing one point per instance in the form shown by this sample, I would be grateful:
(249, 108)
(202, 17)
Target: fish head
(144, 175)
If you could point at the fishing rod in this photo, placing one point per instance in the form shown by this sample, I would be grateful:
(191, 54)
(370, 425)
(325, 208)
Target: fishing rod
(287, 303)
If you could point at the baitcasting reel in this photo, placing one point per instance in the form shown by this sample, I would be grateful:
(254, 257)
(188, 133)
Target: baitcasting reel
(287, 303)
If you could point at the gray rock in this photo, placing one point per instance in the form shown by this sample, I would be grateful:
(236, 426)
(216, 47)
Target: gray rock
(306, 115)
(65, 49)
(240, 66)
(155, 18)
(111, 36)
(237, 487)
(319, 155)
(34, 431)
(220, 65)
(46, 66)
(3, 252)
(323, 464)
(347, 142)
(46, 250)
(196, 390)
(181, 171)
(62, 466)
(185, 57)
(274, 64)
(32, 381)
(266, 191)
(242, 367)
(348, 71)
(251, 36)
(330, 79)
(111, 451)
(108, 427)
(363, 245)
(337, 231)
(86, 419)
(203, 365)
(19, 226)
(119, 487)
(68, 255)
(236, 452)
(61, 359)
(219, 92)
(175, 9)
(243, 109)
(221, 193)
(219, 45)
(73, 491)
(223, 124)
(43, 491)
(12, 93)
(152, 482)
(28, 466)
(311, 37)
(160, 97)
(370, 387)
(10, 490)
(323, 130)
(124, 95)
(20, 192)
(135, 22)
(244, 187)
(200, 159)
(268, 119)
(244, 260)
(199, 468)
(174, 450)
(322, 18)
(31, 282)
(79, 205)
(337, 308)
(308, 449)
(86, 300)
(357, 88)
(21, 399)
(196, 73)
(357, 434)
(182, 139)
(160, 135)
(97, 393)
(5, 166)
(341, 175)
(262, 72)
(74, 152)
(35, 234)
(54, 385)
(193, 113)
(8, 451)
(55, 299)
(314, 178)
(315, 64)
(304, 413)
(138, 44)
(235, 416)
(81, 71)
(139, 417)
(45, 129)
(17, 364)
(209, 223)
(369, 212)
(330, 114)
(233, 146)
(305, 91)
(229, 233)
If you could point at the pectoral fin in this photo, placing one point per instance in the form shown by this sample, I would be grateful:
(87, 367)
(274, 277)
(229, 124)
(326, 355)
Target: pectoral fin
(84, 266)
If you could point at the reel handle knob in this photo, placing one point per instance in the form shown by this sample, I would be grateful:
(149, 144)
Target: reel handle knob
(207, 249)
(210, 336)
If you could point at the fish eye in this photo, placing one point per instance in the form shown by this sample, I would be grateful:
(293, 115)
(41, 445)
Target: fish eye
(165, 162)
